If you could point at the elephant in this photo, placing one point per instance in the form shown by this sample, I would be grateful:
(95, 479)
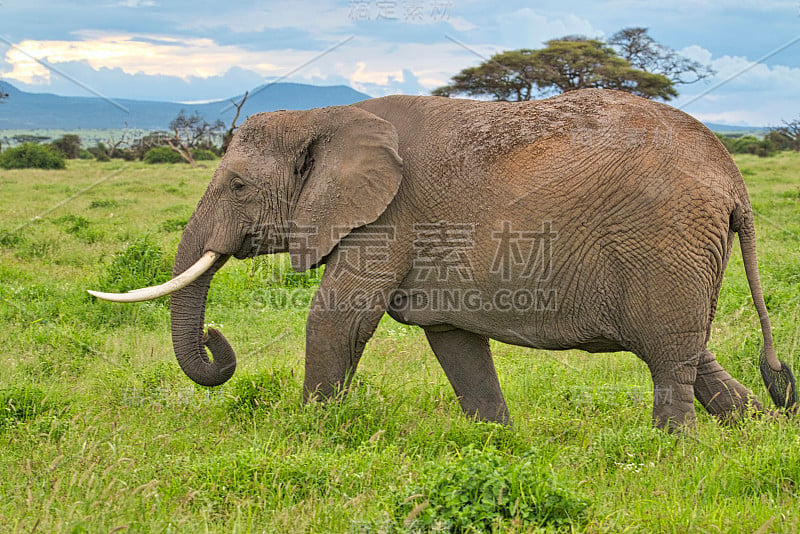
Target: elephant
(592, 220)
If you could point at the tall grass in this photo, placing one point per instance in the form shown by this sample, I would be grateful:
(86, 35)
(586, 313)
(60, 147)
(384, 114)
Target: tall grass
(100, 430)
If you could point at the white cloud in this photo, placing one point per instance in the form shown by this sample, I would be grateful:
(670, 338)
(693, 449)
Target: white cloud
(373, 62)
(747, 93)
(743, 73)
(461, 24)
(366, 64)
(136, 3)
(697, 53)
(529, 28)
(135, 53)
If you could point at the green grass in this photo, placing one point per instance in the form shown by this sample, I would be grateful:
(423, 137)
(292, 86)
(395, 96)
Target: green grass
(100, 430)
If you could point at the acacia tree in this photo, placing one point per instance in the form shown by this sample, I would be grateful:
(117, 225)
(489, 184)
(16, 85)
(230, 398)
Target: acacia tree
(511, 75)
(644, 53)
(575, 62)
(579, 64)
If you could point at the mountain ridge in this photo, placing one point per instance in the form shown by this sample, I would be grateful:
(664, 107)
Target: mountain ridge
(32, 111)
(37, 111)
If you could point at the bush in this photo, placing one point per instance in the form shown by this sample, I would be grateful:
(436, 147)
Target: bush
(748, 144)
(780, 140)
(203, 155)
(69, 145)
(162, 154)
(483, 492)
(124, 154)
(100, 152)
(85, 154)
(32, 156)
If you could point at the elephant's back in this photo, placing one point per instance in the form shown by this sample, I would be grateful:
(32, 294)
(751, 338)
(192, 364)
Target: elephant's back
(574, 156)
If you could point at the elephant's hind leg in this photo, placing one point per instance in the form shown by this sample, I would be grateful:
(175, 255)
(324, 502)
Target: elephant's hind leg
(467, 361)
(721, 394)
(673, 367)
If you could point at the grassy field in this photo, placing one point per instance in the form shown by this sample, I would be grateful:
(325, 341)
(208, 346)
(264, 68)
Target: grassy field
(101, 432)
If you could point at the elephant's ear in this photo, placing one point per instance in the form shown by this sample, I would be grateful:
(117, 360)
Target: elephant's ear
(349, 172)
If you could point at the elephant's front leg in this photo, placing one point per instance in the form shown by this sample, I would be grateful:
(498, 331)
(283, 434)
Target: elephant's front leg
(337, 329)
(467, 361)
(345, 312)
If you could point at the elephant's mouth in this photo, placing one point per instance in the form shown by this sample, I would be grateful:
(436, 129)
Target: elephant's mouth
(247, 250)
(252, 246)
(264, 241)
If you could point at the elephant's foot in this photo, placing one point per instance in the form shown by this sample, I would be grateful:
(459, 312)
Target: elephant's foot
(721, 394)
(673, 408)
(673, 392)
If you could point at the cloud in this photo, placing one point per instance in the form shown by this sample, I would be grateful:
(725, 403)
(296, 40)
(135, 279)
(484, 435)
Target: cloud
(136, 3)
(119, 64)
(231, 49)
(741, 72)
(747, 94)
(133, 54)
(530, 28)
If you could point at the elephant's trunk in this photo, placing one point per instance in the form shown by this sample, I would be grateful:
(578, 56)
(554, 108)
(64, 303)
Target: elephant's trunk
(187, 311)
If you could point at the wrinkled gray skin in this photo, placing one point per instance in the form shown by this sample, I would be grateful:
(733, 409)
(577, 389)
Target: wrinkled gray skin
(634, 206)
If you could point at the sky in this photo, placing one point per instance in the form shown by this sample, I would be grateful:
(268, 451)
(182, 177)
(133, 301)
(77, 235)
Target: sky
(190, 51)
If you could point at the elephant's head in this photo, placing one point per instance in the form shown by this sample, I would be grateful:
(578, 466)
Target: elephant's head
(291, 181)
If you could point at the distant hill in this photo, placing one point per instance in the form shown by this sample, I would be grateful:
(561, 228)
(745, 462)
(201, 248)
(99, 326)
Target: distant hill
(725, 129)
(44, 111)
(36, 111)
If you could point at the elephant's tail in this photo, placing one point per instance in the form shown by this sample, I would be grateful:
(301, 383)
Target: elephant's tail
(776, 374)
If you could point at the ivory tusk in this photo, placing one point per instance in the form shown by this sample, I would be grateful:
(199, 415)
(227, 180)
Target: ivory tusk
(148, 293)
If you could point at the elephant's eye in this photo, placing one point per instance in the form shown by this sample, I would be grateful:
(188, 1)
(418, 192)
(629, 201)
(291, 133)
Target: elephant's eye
(237, 184)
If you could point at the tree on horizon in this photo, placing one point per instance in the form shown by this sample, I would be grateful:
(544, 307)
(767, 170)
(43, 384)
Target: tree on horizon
(630, 61)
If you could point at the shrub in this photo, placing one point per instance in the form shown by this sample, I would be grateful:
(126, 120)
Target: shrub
(124, 154)
(100, 152)
(748, 144)
(203, 155)
(32, 156)
(482, 492)
(69, 145)
(162, 154)
(780, 140)
(84, 154)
